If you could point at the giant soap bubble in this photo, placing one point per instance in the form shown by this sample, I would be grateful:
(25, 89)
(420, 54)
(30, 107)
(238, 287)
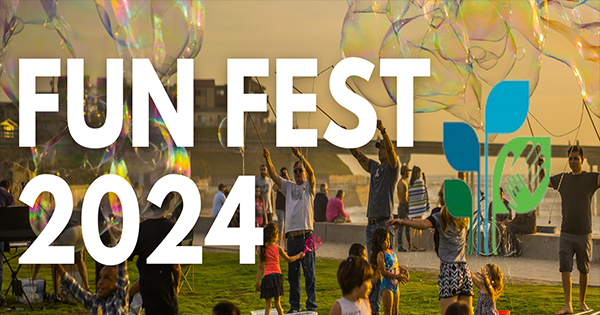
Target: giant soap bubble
(161, 31)
(471, 43)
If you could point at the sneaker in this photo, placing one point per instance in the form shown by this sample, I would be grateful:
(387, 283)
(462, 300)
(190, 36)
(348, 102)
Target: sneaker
(293, 311)
(402, 249)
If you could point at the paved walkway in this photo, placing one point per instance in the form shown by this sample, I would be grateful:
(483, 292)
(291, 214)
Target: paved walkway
(515, 269)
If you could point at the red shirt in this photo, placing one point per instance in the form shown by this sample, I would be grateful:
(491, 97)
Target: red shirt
(272, 260)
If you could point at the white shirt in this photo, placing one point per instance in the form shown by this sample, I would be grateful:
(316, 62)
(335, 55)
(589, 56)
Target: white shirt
(299, 212)
(359, 307)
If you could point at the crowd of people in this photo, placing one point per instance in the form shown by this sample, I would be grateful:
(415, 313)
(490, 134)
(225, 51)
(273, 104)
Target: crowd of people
(370, 277)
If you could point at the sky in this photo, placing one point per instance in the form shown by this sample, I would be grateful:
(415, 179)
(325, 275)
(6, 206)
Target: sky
(306, 29)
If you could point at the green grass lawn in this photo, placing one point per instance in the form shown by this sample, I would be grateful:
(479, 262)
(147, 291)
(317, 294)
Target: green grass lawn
(222, 278)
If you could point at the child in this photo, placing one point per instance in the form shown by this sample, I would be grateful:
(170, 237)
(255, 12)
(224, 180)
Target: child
(384, 263)
(112, 290)
(459, 308)
(455, 277)
(271, 285)
(259, 207)
(226, 308)
(358, 249)
(354, 277)
(490, 278)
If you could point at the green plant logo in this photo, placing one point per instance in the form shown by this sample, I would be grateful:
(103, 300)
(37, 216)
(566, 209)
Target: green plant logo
(506, 111)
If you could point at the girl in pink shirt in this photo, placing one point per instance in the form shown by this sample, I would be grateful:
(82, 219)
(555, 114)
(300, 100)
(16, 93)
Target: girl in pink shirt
(271, 285)
(260, 217)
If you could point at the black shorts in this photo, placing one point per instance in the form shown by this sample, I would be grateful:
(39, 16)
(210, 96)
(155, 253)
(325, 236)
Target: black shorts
(575, 244)
(455, 279)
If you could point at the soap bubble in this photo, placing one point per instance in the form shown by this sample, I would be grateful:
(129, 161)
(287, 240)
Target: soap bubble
(222, 134)
(471, 43)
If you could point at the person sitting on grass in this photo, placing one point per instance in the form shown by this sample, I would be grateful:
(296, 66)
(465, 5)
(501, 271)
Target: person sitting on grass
(354, 277)
(112, 290)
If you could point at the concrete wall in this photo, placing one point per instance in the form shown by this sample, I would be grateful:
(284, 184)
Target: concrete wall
(539, 245)
(546, 246)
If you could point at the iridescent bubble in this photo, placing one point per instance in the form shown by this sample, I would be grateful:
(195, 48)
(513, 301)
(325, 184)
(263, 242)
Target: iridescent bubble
(470, 43)
(362, 34)
(574, 39)
(40, 214)
(41, 211)
(450, 86)
(71, 236)
(23, 20)
(159, 30)
(222, 134)
(111, 212)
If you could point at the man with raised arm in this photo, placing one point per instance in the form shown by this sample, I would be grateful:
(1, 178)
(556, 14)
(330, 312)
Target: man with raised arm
(576, 190)
(299, 212)
(384, 176)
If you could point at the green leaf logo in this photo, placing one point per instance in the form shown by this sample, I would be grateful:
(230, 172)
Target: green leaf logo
(522, 175)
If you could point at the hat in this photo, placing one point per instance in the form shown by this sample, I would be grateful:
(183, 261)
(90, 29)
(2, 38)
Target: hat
(379, 143)
(404, 168)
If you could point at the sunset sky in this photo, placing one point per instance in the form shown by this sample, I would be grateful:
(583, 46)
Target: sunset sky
(305, 29)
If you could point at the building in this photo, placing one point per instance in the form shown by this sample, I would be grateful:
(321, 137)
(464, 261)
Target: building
(210, 103)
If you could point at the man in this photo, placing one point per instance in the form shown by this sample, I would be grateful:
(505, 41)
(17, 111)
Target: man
(384, 176)
(159, 284)
(6, 200)
(266, 189)
(335, 209)
(576, 190)
(321, 201)
(219, 200)
(299, 196)
(402, 190)
(502, 221)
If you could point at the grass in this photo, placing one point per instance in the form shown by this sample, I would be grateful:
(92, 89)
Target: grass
(222, 278)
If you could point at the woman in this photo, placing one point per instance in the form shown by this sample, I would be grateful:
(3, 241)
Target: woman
(418, 203)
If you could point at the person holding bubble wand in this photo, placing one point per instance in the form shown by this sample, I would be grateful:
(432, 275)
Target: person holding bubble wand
(299, 217)
(455, 282)
(271, 286)
(576, 191)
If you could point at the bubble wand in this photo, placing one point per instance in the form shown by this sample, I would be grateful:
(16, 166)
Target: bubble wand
(313, 243)
(295, 88)
(258, 133)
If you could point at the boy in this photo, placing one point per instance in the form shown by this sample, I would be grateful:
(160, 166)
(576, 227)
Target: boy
(112, 290)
